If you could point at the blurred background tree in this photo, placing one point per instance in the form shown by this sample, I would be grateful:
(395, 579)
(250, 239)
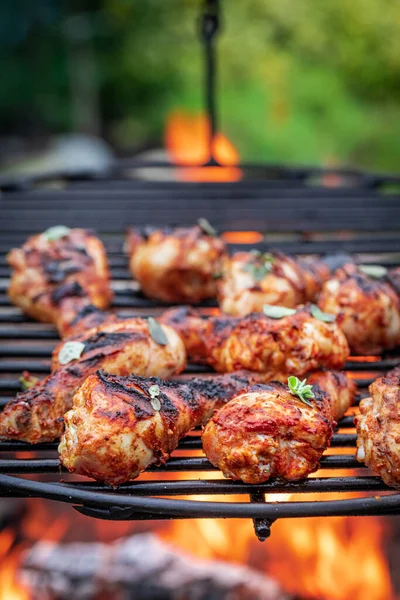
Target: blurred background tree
(303, 81)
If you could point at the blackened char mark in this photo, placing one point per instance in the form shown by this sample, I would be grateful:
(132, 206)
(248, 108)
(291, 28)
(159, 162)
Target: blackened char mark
(220, 388)
(367, 285)
(58, 270)
(129, 389)
(103, 338)
(66, 290)
(393, 278)
(88, 309)
(222, 326)
(337, 261)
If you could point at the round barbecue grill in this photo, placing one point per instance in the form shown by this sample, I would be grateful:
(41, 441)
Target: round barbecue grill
(295, 212)
(294, 217)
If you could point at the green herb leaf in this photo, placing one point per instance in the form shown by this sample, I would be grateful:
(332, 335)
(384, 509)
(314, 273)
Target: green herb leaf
(374, 271)
(27, 381)
(277, 312)
(56, 233)
(300, 389)
(70, 351)
(157, 332)
(154, 392)
(206, 227)
(317, 313)
(217, 275)
(260, 266)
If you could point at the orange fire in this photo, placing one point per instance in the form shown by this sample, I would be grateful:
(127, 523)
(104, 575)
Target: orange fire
(330, 559)
(242, 237)
(186, 141)
(334, 559)
(10, 589)
(318, 558)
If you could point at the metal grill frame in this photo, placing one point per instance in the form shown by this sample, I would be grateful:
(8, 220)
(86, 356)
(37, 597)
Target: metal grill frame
(27, 345)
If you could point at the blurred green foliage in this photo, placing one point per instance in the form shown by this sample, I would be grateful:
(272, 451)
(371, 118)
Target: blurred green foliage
(299, 81)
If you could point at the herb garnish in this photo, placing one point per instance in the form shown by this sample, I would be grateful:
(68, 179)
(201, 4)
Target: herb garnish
(317, 313)
(277, 312)
(374, 271)
(260, 266)
(206, 227)
(301, 389)
(27, 381)
(154, 392)
(56, 233)
(217, 275)
(70, 351)
(157, 332)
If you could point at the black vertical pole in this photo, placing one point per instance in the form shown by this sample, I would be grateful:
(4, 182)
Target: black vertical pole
(209, 28)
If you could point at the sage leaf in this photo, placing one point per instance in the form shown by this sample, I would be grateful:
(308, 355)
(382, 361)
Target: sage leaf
(154, 392)
(374, 271)
(56, 233)
(317, 313)
(277, 312)
(157, 332)
(301, 389)
(70, 351)
(206, 227)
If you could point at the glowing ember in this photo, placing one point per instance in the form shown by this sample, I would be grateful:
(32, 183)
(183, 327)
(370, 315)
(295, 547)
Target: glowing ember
(10, 589)
(186, 140)
(242, 237)
(334, 559)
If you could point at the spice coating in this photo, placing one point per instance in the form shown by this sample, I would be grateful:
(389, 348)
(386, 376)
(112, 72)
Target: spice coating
(269, 432)
(119, 347)
(112, 433)
(294, 345)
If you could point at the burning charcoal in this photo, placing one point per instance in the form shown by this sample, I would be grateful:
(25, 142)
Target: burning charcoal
(64, 571)
(175, 576)
(140, 567)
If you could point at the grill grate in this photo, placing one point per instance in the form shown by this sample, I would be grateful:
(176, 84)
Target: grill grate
(27, 471)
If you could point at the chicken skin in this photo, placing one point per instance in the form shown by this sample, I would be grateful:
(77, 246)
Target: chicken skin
(176, 265)
(251, 279)
(57, 272)
(369, 308)
(118, 426)
(378, 428)
(294, 345)
(120, 347)
(269, 432)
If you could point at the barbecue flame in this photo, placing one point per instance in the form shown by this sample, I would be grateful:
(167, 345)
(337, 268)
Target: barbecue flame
(10, 589)
(338, 558)
(330, 559)
(186, 141)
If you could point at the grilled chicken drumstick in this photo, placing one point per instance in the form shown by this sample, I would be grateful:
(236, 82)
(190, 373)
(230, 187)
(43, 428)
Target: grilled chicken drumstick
(295, 344)
(251, 279)
(57, 272)
(176, 265)
(378, 428)
(270, 432)
(369, 307)
(118, 426)
(119, 347)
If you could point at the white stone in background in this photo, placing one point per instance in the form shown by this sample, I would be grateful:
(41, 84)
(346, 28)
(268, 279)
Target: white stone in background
(75, 153)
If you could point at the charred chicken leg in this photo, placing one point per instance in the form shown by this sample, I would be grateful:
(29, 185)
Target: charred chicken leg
(270, 432)
(118, 426)
(120, 347)
(57, 272)
(251, 279)
(369, 308)
(176, 265)
(378, 428)
(295, 344)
